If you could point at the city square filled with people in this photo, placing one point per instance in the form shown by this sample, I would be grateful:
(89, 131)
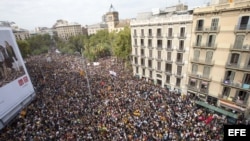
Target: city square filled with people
(77, 102)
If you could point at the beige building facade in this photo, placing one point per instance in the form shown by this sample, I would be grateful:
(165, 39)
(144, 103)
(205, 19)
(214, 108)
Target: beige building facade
(65, 30)
(219, 68)
(160, 46)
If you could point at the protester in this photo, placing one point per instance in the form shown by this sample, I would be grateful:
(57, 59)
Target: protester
(120, 107)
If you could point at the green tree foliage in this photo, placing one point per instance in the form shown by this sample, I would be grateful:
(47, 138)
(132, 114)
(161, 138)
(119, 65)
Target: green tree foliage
(24, 47)
(122, 44)
(40, 43)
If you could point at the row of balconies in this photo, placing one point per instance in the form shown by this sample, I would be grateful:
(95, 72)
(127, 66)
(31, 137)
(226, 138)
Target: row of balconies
(237, 66)
(238, 29)
(161, 47)
(169, 36)
(244, 48)
(167, 72)
(237, 85)
(233, 100)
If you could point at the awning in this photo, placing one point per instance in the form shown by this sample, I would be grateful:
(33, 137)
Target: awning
(231, 106)
(193, 80)
(219, 110)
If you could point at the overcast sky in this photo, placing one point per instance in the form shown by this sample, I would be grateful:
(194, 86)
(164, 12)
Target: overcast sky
(29, 14)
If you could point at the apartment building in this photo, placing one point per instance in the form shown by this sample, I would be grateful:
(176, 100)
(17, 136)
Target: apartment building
(219, 68)
(160, 46)
(65, 30)
(20, 33)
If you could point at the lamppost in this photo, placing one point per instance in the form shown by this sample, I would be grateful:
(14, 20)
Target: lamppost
(86, 73)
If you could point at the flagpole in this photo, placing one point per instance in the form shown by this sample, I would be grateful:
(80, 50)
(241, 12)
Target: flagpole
(86, 72)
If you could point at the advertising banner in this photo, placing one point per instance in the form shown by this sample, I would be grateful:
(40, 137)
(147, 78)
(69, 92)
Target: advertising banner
(16, 89)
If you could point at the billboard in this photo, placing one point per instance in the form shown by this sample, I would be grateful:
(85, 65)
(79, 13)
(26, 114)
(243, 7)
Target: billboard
(16, 89)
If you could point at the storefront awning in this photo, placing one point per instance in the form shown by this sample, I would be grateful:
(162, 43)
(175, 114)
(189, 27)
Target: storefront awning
(219, 110)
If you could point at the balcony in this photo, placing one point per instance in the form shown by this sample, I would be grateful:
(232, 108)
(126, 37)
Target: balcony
(179, 62)
(237, 85)
(242, 28)
(150, 57)
(170, 36)
(243, 48)
(150, 35)
(168, 60)
(142, 36)
(237, 66)
(182, 36)
(159, 47)
(143, 46)
(214, 29)
(143, 56)
(169, 48)
(158, 58)
(159, 36)
(205, 46)
(135, 45)
(200, 77)
(168, 72)
(150, 46)
(134, 35)
(232, 100)
(204, 91)
(192, 88)
(178, 75)
(180, 49)
(202, 62)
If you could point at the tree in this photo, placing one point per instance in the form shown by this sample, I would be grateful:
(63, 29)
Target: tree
(24, 47)
(40, 43)
(122, 45)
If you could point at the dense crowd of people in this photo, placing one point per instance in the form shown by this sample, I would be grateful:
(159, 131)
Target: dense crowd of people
(119, 107)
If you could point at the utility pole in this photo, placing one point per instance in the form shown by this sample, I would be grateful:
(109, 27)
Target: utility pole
(86, 72)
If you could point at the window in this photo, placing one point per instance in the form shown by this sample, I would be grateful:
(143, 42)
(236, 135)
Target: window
(169, 56)
(150, 53)
(170, 32)
(150, 63)
(179, 69)
(229, 77)
(239, 41)
(247, 79)
(150, 32)
(196, 55)
(244, 23)
(182, 32)
(136, 61)
(194, 68)
(214, 24)
(142, 62)
(136, 52)
(226, 91)
(199, 25)
(206, 71)
(135, 34)
(234, 59)
(150, 74)
(167, 78)
(211, 40)
(158, 32)
(181, 45)
(192, 82)
(142, 42)
(143, 72)
(158, 65)
(137, 70)
(211, 100)
(179, 57)
(168, 68)
(204, 87)
(149, 42)
(242, 97)
(142, 32)
(169, 44)
(198, 40)
(178, 82)
(142, 52)
(135, 42)
(209, 56)
(159, 54)
(159, 43)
